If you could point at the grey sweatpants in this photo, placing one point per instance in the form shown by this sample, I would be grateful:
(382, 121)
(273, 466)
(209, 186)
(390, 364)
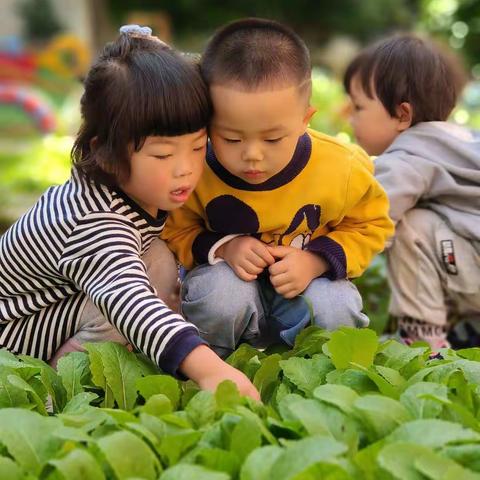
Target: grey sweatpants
(227, 310)
(432, 271)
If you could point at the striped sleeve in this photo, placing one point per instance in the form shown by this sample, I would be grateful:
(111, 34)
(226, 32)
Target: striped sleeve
(102, 258)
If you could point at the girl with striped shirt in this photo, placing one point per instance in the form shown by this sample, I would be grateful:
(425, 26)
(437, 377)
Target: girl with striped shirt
(86, 262)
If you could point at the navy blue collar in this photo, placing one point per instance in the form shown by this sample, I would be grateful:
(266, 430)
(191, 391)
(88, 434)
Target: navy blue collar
(152, 221)
(298, 162)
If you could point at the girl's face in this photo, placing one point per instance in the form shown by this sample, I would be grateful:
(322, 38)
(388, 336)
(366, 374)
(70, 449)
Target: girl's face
(165, 171)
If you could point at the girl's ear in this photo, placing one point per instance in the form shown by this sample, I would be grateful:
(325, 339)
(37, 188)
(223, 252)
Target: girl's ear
(93, 143)
(404, 116)
(308, 115)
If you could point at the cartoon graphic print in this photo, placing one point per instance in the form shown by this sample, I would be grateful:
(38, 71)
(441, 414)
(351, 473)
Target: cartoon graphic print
(311, 214)
(229, 215)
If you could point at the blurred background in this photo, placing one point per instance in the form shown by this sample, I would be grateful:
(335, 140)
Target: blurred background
(46, 47)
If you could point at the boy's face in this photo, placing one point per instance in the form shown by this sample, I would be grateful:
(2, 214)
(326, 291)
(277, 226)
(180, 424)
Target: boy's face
(254, 133)
(373, 126)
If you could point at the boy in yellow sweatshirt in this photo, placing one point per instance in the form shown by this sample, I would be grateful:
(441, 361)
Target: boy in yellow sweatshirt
(283, 216)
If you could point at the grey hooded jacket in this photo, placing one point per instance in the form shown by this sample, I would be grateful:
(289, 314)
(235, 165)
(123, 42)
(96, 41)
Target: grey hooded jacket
(435, 165)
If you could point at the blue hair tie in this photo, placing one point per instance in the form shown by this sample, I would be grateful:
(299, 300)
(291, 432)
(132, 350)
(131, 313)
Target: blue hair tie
(136, 30)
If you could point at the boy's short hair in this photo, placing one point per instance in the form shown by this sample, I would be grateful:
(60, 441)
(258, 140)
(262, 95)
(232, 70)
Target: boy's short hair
(255, 52)
(406, 68)
(138, 87)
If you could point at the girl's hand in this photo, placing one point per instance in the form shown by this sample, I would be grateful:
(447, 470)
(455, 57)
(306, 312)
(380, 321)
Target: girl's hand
(294, 269)
(208, 370)
(246, 256)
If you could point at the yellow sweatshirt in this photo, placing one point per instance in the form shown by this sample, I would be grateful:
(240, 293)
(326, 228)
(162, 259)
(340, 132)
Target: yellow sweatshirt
(326, 200)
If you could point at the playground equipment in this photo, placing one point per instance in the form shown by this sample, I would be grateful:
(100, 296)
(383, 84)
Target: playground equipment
(54, 71)
(31, 103)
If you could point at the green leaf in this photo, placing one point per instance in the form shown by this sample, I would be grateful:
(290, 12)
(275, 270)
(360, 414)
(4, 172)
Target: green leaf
(302, 454)
(129, 456)
(7, 358)
(471, 370)
(11, 395)
(97, 371)
(72, 434)
(252, 367)
(246, 436)
(192, 472)
(432, 433)
(158, 404)
(337, 395)
(456, 412)
(120, 417)
(174, 446)
(51, 380)
(258, 464)
(441, 373)
(78, 464)
(321, 419)
(20, 383)
(467, 455)
(201, 408)
(22, 369)
(306, 374)
(80, 402)
(219, 460)
(71, 369)
(244, 412)
(325, 471)
(189, 390)
(310, 341)
(154, 425)
(267, 376)
(121, 370)
(399, 460)
(380, 415)
(470, 353)
(436, 467)
(355, 379)
(165, 384)
(10, 470)
(398, 355)
(147, 367)
(391, 376)
(242, 355)
(366, 461)
(308, 412)
(88, 419)
(416, 400)
(385, 387)
(227, 395)
(29, 437)
(351, 345)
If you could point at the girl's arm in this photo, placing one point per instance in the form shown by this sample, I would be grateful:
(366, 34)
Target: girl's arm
(102, 258)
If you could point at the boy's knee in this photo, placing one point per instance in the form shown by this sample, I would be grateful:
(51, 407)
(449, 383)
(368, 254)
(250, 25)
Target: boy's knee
(216, 291)
(216, 282)
(336, 303)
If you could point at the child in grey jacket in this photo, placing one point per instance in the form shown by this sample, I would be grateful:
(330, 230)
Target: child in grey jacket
(402, 91)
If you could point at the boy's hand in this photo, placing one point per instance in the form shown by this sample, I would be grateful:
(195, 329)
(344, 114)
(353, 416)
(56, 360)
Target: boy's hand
(208, 370)
(294, 270)
(247, 256)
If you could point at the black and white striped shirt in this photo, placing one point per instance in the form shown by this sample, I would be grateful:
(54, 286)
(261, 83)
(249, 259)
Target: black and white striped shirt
(84, 237)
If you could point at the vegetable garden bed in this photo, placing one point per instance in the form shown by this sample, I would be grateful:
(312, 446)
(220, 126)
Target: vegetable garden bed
(338, 406)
